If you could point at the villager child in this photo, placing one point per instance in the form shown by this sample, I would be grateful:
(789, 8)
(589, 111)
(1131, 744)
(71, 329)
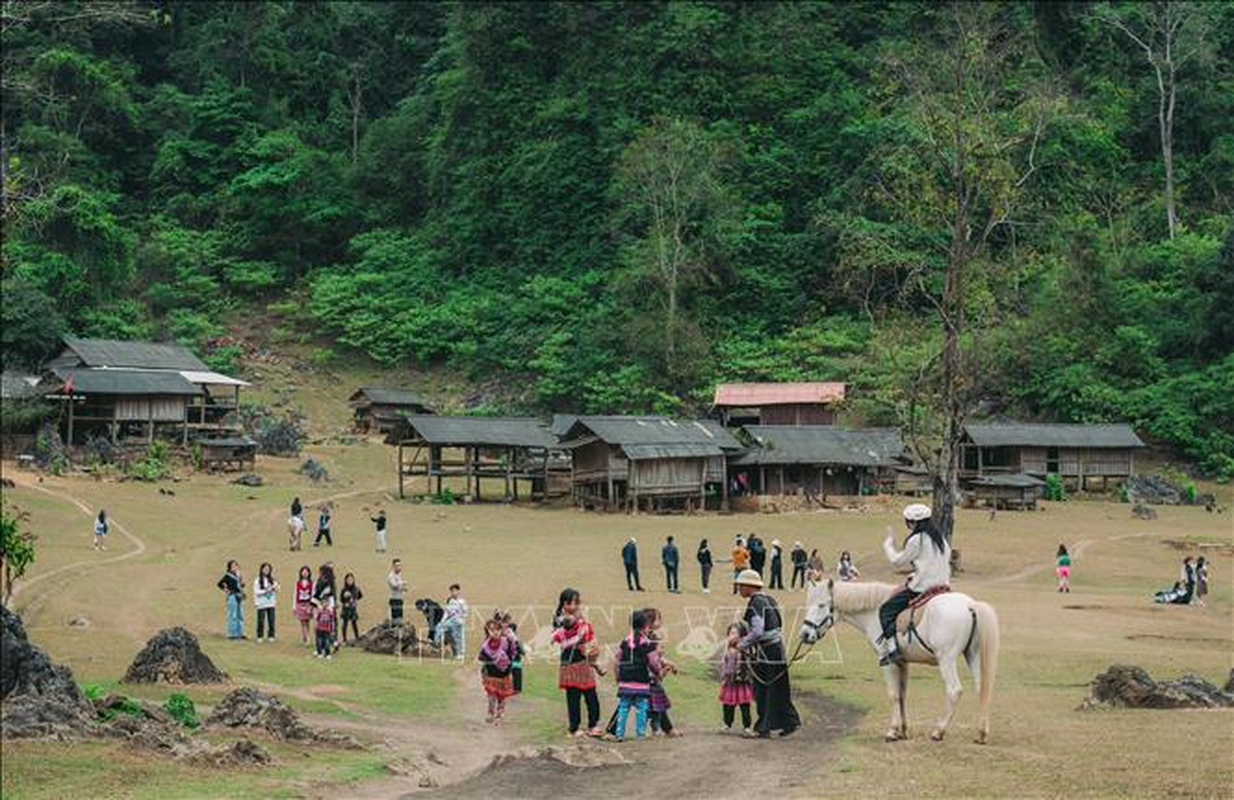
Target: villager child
(496, 658)
(326, 621)
(349, 601)
(265, 597)
(323, 527)
(634, 678)
(516, 666)
(736, 680)
(576, 673)
(659, 704)
(100, 530)
(303, 607)
(1062, 569)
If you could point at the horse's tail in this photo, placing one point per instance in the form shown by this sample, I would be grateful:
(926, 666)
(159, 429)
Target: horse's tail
(987, 643)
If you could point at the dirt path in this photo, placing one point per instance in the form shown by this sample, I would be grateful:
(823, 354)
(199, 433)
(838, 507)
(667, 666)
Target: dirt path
(1076, 549)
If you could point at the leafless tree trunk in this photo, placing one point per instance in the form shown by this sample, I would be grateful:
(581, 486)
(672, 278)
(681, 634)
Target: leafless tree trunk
(1170, 34)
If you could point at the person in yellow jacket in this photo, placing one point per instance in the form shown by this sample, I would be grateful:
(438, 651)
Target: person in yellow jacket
(741, 559)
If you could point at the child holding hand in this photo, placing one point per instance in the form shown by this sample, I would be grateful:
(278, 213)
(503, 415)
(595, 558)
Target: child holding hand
(736, 680)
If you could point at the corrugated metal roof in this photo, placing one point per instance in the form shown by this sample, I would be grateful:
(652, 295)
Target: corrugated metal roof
(147, 355)
(484, 431)
(1012, 480)
(1042, 434)
(822, 444)
(653, 430)
(232, 441)
(562, 423)
(642, 452)
(770, 394)
(388, 396)
(212, 378)
(122, 381)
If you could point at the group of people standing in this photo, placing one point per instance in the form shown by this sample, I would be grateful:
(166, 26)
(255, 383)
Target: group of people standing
(749, 552)
(296, 526)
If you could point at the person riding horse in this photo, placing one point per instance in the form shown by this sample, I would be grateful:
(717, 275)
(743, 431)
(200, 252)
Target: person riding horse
(929, 553)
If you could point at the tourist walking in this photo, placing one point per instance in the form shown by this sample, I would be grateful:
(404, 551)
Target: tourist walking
(302, 609)
(704, 565)
(798, 556)
(379, 523)
(736, 680)
(100, 530)
(773, 696)
(349, 606)
(629, 559)
(398, 588)
(265, 598)
(576, 674)
(297, 510)
(323, 527)
(670, 558)
(232, 585)
(454, 622)
(1201, 580)
(1062, 568)
(777, 565)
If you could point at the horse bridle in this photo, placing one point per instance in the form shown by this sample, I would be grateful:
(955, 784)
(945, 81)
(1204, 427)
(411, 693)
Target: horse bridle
(820, 628)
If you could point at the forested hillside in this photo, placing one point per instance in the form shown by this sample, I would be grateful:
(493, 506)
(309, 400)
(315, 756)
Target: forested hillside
(613, 205)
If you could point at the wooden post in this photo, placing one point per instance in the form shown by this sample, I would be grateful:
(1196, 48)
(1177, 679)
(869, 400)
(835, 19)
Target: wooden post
(401, 496)
(69, 443)
(723, 483)
(509, 470)
(149, 421)
(184, 441)
(762, 479)
(573, 478)
(608, 471)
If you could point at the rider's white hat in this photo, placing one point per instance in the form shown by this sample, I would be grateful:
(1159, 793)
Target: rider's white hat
(748, 577)
(915, 512)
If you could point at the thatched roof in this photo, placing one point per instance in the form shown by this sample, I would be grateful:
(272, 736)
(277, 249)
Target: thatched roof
(1045, 434)
(823, 444)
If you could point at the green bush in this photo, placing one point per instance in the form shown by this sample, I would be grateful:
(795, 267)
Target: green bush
(181, 708)
(154, 466)
(445, 497)
(1054, 488)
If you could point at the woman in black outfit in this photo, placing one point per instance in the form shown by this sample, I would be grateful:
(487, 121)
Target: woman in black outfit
(704, 564)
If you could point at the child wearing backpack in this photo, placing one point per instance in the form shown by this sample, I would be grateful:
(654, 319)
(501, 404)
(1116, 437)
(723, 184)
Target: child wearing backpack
(634, 660)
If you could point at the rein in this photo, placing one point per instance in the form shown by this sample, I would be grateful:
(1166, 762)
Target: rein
(800, 651)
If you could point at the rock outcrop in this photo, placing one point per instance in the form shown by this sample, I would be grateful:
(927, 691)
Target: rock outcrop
(38, 699)
(252, 708)
(173, 656)
(1124, 686)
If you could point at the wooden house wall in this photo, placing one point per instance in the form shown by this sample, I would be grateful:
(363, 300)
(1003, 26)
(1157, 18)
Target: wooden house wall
(596, 461)
(667, 476)
(143, 409)
(797, 414)
(1074, 461)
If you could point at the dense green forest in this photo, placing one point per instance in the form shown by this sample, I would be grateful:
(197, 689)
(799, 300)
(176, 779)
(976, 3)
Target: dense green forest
(610, 206)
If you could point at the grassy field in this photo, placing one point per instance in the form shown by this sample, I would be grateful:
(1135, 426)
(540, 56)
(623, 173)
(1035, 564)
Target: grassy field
(519, 558)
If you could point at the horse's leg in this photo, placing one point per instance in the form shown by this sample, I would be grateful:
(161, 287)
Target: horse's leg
(902, 679)
(891, 675)
(951, 678)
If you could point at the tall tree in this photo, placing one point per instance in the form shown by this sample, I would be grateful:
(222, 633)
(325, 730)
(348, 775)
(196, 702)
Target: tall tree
(1170, 35)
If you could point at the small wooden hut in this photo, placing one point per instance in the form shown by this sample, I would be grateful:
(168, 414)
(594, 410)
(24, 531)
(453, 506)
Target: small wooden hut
(507, 449)
(816, 460)
(228, 454)
(1080, 454)
(739, 404)
(379, 409)
(1013, 490)
(626, 462)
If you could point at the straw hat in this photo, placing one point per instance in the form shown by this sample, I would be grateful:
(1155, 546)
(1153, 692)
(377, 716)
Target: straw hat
(916, 512)
(748, 577)
(775, 542)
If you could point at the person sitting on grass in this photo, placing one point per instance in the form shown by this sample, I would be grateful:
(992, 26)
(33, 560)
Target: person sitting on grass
(496, 658)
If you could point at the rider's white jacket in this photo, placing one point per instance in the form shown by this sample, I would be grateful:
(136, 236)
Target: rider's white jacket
(931, 567)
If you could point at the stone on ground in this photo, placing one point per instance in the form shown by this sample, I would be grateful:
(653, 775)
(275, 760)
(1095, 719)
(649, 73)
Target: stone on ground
(252, 708)
(173, 656)
(1124, 686)
(38, 699)
(391, 638)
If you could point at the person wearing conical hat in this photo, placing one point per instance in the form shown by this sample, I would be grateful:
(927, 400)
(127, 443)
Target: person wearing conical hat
(773, 695)
(928, 553)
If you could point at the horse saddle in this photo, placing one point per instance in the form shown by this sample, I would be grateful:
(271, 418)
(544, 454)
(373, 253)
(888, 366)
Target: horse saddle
(907, 619)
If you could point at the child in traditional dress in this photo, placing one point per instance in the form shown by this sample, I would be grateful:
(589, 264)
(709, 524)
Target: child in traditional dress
(736, 680)
(633, 678)
(326, 619)
(659, 703)
(303, 608)
(516, 665)
(496, 658)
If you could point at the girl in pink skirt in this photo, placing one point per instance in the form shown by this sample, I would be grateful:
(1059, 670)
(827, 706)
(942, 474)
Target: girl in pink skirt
(1062, 569)
(303, 609)
(736, 681)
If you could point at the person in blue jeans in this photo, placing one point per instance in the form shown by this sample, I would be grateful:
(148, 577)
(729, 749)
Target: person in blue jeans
(232, 585)
(634, 678)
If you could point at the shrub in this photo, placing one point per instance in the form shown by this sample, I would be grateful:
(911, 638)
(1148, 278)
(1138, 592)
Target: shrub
(153, 466)
(1054, 488)
(445, 497)
(181, 708)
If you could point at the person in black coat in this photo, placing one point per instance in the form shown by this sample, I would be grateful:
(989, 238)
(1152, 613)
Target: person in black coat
(670, 558)
(758, 553)
(629, 558)
(433, 614)
(704, 564)
(773, 693)
(798, 556)
(777, 565)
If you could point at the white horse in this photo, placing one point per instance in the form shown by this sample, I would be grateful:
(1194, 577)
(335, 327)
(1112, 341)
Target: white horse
(949, 625)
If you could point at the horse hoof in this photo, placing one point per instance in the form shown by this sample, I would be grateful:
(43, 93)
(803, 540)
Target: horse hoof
(893, 736)
(981, 738)
(937, 735)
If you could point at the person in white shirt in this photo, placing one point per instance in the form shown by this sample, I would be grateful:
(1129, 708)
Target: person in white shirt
(100, 530)
(454, 623)
(295, 532)
(265, 591)
(929, 555)
(398, 588)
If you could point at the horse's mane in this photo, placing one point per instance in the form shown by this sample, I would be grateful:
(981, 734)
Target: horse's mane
(849, 598)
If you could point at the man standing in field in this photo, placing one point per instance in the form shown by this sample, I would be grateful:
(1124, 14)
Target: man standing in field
(629, 557)
(453, 624)
(380, 522)
(398, 588)
(670, 558)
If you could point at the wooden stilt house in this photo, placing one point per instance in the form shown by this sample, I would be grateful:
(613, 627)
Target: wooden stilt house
(816, 460)
(1080, 454)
